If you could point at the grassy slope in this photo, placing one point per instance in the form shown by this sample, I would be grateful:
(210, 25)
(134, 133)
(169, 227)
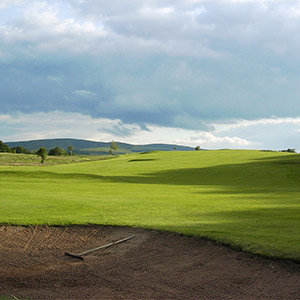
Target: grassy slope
(248, 199)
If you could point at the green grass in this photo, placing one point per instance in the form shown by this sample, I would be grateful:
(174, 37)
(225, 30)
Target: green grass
(247, 199)
(16, 159)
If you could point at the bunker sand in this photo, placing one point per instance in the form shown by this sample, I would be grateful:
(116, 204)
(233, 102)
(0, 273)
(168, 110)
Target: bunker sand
(153, 265)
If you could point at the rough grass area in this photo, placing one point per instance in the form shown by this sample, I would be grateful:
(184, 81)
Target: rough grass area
(15, 159)
(247, 199)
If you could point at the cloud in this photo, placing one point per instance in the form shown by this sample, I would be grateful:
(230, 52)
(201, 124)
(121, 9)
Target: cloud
(162, 27)
(209, 140)
(54, 78)
(234, 124)
(120, 130)
(40, 28)
(39, 125)
(5, 3)
(84, 93)
(271, 133)
(19, 127)
(156, 12)
(171, 64)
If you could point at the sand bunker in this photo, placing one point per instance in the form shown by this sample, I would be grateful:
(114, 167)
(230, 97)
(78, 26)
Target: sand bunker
(153, 265)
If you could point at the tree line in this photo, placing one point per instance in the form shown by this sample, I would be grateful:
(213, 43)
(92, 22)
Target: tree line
(42, 152)
(18, 149)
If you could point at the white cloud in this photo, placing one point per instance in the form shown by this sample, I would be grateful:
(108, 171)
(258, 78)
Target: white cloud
(84, 93)
(55, 78)
(261, 134)
(210, 140)
(5, 3)
(75, 125)
(234, 124)
(51, 125)
(19, 127)
(268, 133)
(152, 12)
(180, 28)
(42, 26)
(45, 30)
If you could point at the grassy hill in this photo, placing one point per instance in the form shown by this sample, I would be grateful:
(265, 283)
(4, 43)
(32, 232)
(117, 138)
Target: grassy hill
(247, 199)
(94, 148)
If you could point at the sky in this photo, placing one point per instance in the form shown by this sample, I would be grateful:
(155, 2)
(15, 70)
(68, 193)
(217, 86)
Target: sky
(209, 73)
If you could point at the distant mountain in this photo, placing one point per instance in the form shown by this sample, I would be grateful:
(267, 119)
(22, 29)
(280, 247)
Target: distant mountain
(94, 148)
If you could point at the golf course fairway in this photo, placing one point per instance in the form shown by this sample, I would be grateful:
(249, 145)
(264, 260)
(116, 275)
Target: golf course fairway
(244, 198)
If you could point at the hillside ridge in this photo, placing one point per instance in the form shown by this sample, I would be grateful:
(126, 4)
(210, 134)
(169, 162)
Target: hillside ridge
(82, 146)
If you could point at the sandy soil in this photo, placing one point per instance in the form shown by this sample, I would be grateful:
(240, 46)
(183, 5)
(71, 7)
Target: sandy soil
(153, 265)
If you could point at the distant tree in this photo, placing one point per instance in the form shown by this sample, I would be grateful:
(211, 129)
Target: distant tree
(4, 147)
(113, 147)
(174, 148)
(42, 152)
(70, 148)
(20, 149)
(57, 151)
(291, 150)
(197, 148)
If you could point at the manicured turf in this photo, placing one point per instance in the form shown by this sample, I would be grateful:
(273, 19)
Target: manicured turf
(248, 199)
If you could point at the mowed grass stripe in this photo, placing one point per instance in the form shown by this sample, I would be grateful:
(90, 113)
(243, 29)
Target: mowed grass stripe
(248, 199)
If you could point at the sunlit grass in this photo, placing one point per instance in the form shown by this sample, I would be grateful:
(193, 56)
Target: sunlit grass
(248, 199)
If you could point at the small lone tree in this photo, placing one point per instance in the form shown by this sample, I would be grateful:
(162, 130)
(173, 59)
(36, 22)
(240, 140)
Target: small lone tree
(113, 147)
(42, 152)
(70, 148)
(197, 148)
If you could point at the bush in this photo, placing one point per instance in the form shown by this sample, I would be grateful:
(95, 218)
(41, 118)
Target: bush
(20, 149)
(57, 151)
(289, 150)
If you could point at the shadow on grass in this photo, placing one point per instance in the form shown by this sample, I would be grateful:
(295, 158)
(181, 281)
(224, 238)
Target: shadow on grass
(51, 175)
(268, 231)
(266, 175)
(143, 159)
